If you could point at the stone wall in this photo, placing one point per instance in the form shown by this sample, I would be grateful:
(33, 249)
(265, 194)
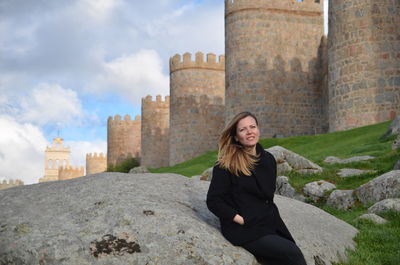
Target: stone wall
(10, 183)
(96, 163)
(273, 64)
(69, 172)
(123, 138)
(364, 62)
(197, 90)
(155, 132)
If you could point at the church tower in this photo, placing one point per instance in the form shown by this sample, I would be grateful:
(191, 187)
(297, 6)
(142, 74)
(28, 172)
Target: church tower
(55, 156)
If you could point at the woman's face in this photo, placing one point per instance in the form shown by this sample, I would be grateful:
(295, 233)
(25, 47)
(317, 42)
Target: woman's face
(247, 132)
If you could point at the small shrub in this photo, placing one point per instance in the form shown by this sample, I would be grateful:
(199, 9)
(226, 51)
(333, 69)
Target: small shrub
(124, 166)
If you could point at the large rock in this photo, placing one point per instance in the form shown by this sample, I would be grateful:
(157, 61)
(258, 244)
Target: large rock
(341, 199)
(207, 174)
(138, 170)
(317, 190)
(117, 218)
(396, 143)
(288, 161)
(284, 188)
(385, 205)
(351, 172)
(337, 160)
(382, 187)
(397, 165)
(394, 128)
(372, 217)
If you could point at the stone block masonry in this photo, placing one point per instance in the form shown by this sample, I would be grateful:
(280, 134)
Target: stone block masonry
(69, 172)
(155, 132)
(273, 64)
(123, 138)
(96, 163)
(364, 62)
(197, 91)
(10, 183)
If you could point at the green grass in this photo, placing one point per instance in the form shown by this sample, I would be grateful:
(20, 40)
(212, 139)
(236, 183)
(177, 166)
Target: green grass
(376, 244)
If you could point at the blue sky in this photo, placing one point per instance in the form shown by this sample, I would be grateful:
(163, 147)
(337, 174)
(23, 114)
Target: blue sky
(67, 65)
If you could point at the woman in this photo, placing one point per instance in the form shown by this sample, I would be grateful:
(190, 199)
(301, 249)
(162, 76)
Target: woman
(241, 194)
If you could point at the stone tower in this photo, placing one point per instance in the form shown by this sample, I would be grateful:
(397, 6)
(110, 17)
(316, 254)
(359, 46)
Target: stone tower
(364, 62)
(273, 64)
(155, 132)
(197, 105)
(95, 163)
(55, 156)
(123, 138)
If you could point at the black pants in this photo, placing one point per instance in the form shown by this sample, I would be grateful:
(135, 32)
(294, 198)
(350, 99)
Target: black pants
(275, 250)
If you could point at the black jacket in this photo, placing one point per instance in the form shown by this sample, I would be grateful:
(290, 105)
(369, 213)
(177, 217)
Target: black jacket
(249, 196)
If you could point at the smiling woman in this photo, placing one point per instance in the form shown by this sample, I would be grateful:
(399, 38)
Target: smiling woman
(241, 194)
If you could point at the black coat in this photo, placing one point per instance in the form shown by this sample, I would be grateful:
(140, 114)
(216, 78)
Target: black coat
(249, 196)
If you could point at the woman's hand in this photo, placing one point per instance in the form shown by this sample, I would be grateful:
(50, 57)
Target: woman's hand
(238, 219)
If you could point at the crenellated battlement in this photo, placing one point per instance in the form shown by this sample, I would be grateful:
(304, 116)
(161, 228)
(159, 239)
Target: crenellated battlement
(305, 7)
(148, 100)
(5, 184)
(71, 168)
(127, 118)
(70, 172)
(178, 62)
(96, 156)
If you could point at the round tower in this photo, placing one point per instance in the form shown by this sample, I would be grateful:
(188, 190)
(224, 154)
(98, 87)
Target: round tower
(197, 105)
(273, 64)
(123, 138)
(155, 132)
(95, 163)
(364, 62)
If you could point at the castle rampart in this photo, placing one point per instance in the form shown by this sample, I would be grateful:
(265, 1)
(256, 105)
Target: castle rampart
(10, 183)
(273, 68)
(95, 163)
(364, 62)
(155, 132)
(197, 90)
(70, 172)
(123, 138)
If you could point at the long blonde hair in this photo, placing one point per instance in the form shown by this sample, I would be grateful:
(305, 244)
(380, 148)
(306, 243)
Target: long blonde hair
(232, 156)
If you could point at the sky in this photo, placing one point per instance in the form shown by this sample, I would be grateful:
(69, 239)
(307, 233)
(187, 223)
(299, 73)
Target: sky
(67, 65)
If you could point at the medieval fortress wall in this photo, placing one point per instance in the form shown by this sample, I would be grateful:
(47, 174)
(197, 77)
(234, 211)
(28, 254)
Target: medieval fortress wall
(95, 163)
(155, 132)
(10, 183)
(272, 64)
(123, 138)
(364, 62)
(197, 89)
(70, 172)
(280, 66)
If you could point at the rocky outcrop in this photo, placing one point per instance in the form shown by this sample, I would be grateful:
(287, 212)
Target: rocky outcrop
(341, 199)
(372, 217)
(397, 165)
(207, 174)
(350, 172)
(138, 170)
(290, 161)
(337, 160)
(394, 128)
(284, 188)
(117, 218)
(396, 143)
(385, 205)
(317, 190)
(382, 187)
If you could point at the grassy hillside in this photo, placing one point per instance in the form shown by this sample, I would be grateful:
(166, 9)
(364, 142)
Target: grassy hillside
(376, 244)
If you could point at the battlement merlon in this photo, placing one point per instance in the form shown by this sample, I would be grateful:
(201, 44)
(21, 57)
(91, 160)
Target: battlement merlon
(96, 156)
(127, 118)
(148, 101)
(177, 63)
(71, 168)
(12, 182)
(305, 7)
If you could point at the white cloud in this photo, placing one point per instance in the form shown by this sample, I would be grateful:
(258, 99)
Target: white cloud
(50, 103)
(79, 149)
(134, 76)
(22, 148)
